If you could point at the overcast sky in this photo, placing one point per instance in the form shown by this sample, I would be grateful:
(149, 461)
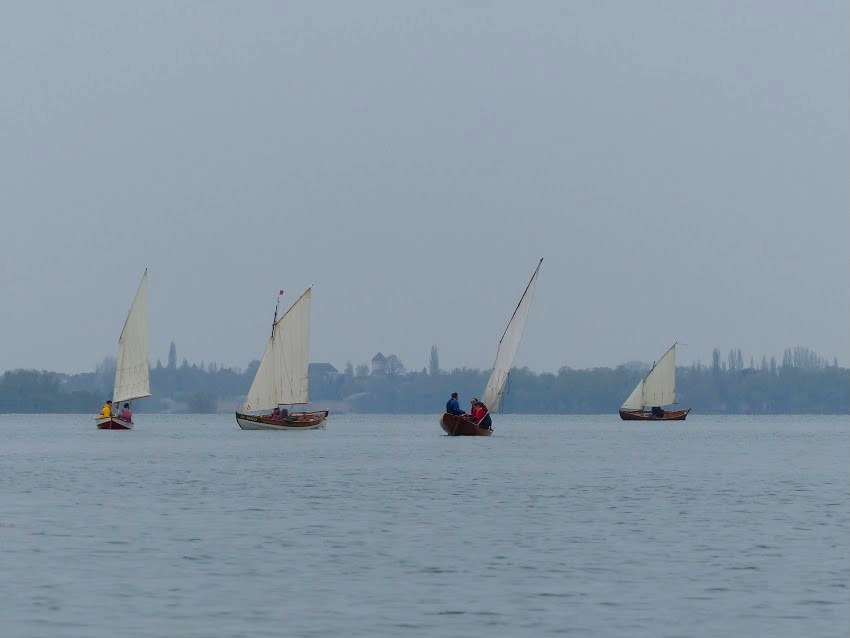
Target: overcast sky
(682, 168)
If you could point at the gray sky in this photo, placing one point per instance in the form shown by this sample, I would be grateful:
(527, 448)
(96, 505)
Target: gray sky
(682, 167)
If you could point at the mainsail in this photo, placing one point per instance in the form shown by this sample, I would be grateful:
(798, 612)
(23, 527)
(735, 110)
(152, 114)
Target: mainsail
(508, 346)
(132, 372)
(658, 387)
(281, 378)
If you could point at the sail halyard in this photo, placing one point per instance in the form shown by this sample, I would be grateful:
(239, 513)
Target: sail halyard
(132, 373)
(508, 346)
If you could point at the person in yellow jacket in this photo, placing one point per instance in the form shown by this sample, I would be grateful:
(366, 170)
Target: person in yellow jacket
(106, 410)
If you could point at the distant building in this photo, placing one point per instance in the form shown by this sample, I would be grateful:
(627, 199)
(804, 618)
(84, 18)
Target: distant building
(379, 364)
(322, 371)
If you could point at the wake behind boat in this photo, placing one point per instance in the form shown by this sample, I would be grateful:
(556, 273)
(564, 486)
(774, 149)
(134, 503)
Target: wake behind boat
(282, 378)
(132, 373)
(464, 425)
(656, 389)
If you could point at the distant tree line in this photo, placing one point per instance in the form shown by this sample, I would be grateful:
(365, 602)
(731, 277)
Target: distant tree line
(803, 383)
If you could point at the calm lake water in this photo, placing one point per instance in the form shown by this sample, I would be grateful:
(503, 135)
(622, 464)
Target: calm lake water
(383, 526)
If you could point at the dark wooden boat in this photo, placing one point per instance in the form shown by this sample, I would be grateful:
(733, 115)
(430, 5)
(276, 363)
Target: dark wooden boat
(657, 388)
(462, 425)
(644, 415)
(292, 421)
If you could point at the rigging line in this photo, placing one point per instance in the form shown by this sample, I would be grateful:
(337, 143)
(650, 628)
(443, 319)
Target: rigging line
(505, 391)
(519, 303)
(276, 306)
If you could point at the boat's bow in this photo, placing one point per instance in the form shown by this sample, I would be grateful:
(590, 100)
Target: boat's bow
(113, 423)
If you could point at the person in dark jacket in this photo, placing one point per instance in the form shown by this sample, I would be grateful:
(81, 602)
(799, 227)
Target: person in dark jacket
(453, 406)
(657, 412)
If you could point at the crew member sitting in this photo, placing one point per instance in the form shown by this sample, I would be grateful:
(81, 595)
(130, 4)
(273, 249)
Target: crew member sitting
(276, 414)
(453, 406)
(106, 410)
(657, 412)
(482, 416)
(126, 415)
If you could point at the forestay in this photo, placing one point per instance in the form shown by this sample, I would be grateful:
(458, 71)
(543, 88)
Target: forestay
(508, 346)
(132, 375)
(281, 378)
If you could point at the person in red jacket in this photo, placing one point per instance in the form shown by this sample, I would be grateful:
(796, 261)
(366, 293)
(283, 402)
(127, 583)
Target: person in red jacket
(477, 411)
(482, 416)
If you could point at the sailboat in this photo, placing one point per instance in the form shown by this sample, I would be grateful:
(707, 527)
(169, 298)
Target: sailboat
(132, 378)
(656, 389)
(281, 378)
(463, 425)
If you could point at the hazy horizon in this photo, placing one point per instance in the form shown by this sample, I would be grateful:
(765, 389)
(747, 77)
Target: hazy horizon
(416, 366)
(681, 169)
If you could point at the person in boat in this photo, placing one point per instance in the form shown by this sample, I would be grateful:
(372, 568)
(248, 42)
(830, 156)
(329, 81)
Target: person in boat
(471, 416)
(657, 412)
(453, 406)
(482, 416)
(126, 414)
(276, 414)
(106, 410)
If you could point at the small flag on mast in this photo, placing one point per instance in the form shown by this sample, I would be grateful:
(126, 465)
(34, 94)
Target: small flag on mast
(280, 293)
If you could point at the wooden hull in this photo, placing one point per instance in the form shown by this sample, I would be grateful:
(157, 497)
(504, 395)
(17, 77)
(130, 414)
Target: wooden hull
(294, 421)
(455, 425)
(114, 423)
(640, 415)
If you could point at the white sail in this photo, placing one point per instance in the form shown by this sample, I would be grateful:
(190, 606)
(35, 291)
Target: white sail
(281, 378)
(508, 347)
(635, 400)
(263, 392)
(132, 376)
(659, 386)
(292, 344)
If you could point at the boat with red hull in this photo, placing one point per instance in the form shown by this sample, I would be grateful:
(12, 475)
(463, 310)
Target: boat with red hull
(132, 372)
(114, 423)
